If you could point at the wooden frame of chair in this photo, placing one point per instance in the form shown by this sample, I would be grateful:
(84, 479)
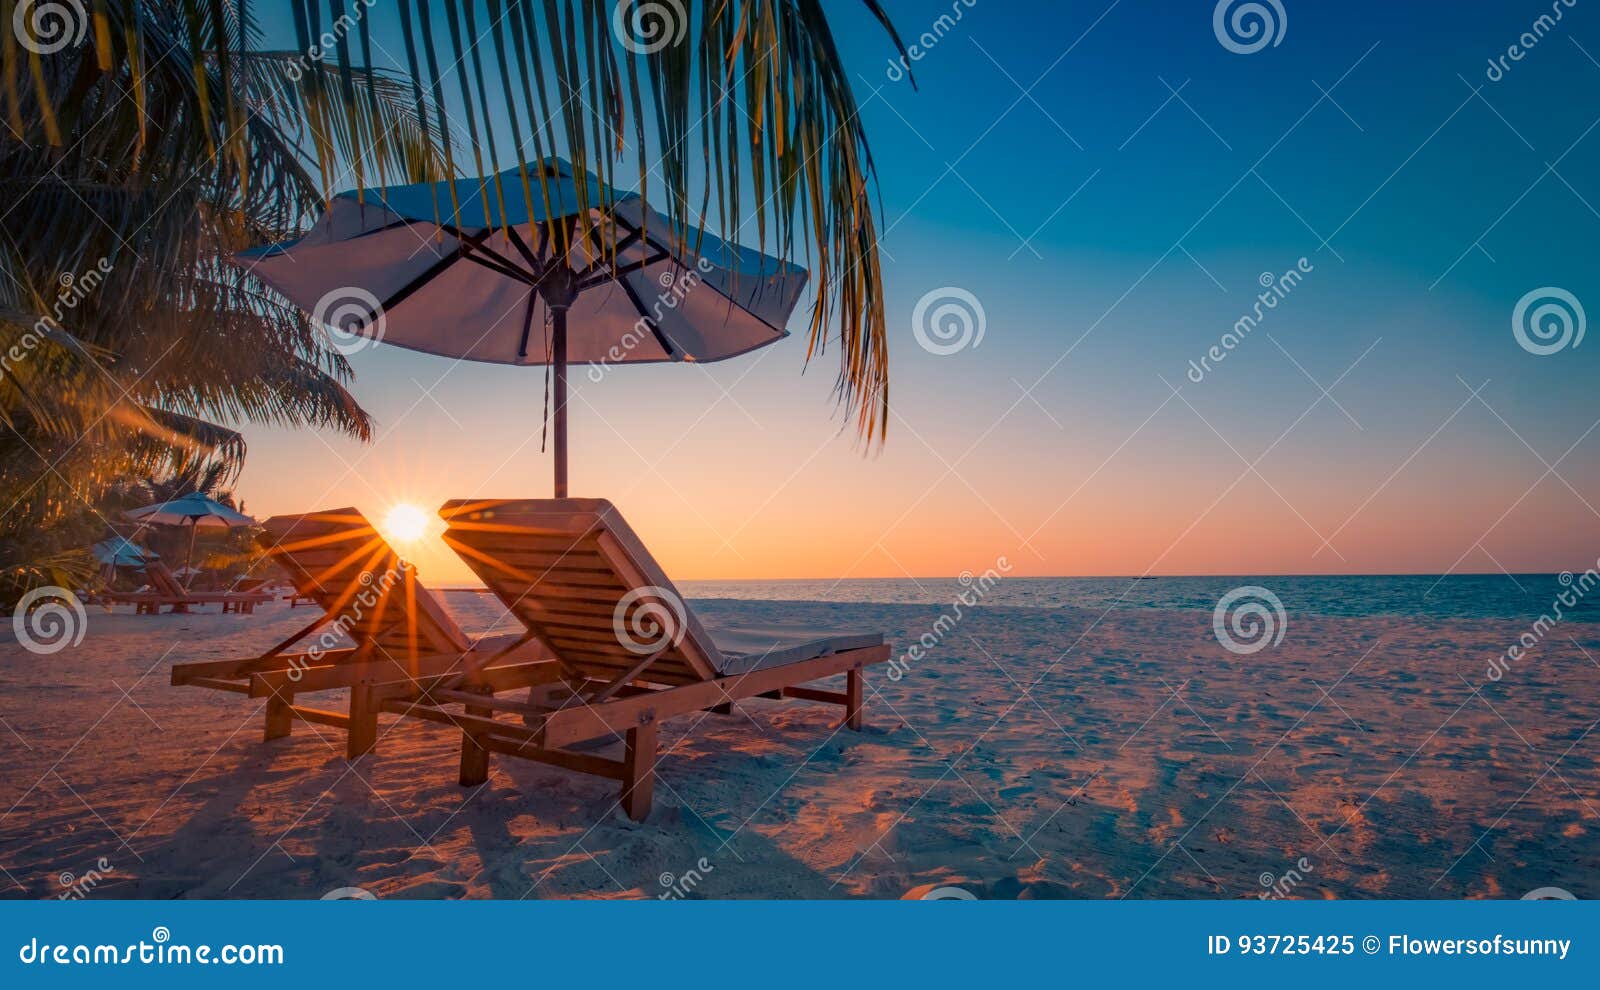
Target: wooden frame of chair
(635, 714)
(401, 632)
(170, 592)
(564, 567)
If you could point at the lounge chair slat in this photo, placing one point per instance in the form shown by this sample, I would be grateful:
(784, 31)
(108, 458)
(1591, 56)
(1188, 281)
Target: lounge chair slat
(552, 591)
(576, 559)
(401, 632)
(321, 716)
(219, 684)
(528, 554)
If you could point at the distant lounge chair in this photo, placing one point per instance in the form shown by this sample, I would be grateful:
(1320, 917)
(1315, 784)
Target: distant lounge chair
(573, 572)
(370, 596)
(245, 586)
(166, 589)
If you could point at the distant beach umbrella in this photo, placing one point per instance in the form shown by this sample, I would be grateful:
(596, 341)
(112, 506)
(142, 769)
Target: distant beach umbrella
(194, 510)
(570, 270)
(121, 552)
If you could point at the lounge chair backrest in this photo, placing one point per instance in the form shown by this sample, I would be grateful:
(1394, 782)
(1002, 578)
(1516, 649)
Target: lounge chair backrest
(574, 573)
(341, 562)
(163, 580)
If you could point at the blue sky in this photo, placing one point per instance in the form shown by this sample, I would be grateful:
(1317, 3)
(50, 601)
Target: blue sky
(1110, 182)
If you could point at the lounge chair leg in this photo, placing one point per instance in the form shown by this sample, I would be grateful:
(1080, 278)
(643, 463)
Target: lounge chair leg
(474, 761)
(474, 758)
(855, 700)
(363, 729)
(280, 720)
(639, 773)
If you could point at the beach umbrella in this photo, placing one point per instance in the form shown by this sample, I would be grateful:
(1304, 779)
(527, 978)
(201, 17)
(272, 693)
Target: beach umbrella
(194, 510)
(119, 551)
(563, 270)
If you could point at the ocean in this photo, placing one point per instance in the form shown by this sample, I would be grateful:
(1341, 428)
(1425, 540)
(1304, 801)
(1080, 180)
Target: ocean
(1469, 596)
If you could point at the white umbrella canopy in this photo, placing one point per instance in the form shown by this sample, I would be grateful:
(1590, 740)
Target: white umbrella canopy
(440, 268)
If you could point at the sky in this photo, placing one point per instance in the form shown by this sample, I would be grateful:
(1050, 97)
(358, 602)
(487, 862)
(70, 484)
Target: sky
(1114, 185)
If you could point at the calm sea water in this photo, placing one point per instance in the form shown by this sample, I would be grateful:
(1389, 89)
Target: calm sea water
(1473, 596)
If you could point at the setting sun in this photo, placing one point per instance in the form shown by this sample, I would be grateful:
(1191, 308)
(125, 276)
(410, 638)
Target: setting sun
(405, 523)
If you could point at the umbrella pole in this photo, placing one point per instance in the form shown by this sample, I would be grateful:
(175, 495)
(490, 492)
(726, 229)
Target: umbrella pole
(559, 346)
(188, 562)
(558, 286)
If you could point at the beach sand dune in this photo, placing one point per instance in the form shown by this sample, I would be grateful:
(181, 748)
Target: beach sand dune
(1031, 753)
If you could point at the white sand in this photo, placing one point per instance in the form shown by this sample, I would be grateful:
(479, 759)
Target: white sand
(1099, 782)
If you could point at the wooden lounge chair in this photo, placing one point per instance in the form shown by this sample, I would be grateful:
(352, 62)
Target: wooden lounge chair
(167, 590)
(370, 597)
(574, 574)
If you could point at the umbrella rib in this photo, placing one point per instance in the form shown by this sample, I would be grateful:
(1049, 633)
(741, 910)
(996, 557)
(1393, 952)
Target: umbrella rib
(644, 315)
(599, 263)
(527, 324)
(615, 274)
(393, 225)
(499, 267)
(473, 245)
(432, 272)
(516, 240)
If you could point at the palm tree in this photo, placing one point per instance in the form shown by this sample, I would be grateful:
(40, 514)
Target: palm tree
(130, 169)
(210, 478)
(145, 140)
